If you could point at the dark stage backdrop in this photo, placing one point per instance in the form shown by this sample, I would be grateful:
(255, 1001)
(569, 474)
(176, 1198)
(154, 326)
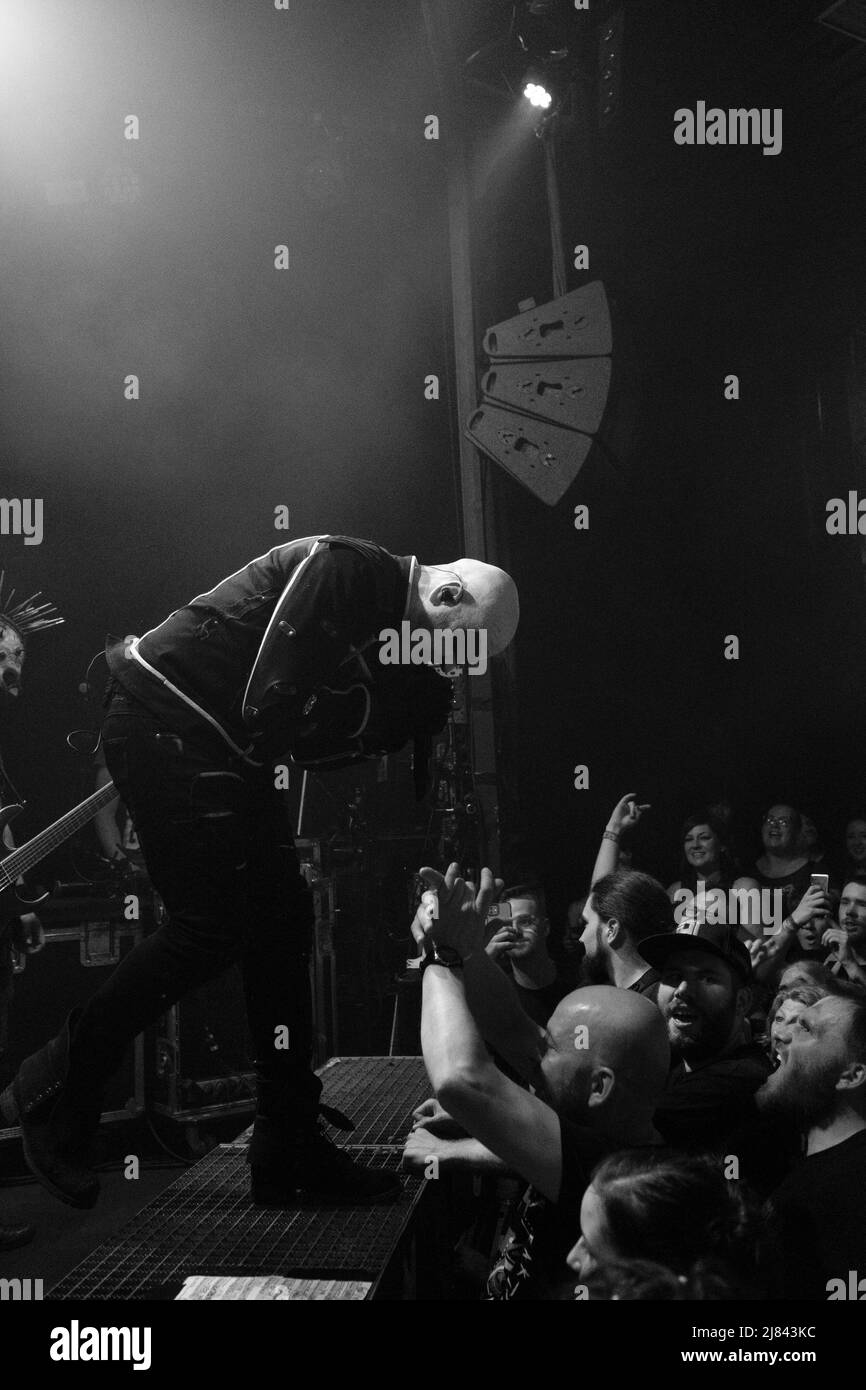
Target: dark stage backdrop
(301, 388)
(718, 261)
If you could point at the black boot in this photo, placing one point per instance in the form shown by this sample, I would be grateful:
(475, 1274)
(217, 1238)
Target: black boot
(305, 1168)
(11, 1237)
(56, 1123)
(293, 1162)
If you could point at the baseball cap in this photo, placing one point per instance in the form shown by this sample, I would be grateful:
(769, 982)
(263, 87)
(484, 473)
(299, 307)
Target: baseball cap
(718, 938)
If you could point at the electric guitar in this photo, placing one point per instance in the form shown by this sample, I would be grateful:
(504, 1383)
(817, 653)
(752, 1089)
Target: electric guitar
(18, 861)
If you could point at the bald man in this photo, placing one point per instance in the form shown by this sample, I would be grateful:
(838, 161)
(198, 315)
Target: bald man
(282, 660)
(598, 1071)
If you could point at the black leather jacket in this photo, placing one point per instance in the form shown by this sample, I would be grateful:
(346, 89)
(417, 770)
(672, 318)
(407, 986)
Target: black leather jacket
(282, 658)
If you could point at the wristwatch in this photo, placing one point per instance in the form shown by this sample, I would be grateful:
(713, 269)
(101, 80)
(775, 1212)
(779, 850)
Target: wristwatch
(442, 955)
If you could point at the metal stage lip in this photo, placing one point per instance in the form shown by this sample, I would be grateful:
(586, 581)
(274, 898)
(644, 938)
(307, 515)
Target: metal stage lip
(392, 1087)
(205, 1224)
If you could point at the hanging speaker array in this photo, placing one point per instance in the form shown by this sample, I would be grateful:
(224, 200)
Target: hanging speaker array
(546, 389)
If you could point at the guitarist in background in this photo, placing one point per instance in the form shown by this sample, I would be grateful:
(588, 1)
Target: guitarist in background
(22, 933)
(114, 827)
(281, 659)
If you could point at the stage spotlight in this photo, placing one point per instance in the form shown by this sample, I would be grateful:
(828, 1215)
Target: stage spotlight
(537, 95)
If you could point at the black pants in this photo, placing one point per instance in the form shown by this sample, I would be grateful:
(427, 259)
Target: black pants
(219, 852)
(7, 982)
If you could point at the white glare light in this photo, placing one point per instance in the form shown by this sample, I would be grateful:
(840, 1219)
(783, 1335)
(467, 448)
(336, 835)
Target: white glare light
(537, 95)
(18, 36)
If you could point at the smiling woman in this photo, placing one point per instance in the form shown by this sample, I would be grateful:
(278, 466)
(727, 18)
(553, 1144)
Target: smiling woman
(705, 853)
(708, 883)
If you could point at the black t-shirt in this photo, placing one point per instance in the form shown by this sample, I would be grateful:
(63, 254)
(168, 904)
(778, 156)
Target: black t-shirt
(540, 1003)
(767, 1149)
(531, 1263)
(792, 886)
(700, 1109)
(648, 985)
(816, 1223)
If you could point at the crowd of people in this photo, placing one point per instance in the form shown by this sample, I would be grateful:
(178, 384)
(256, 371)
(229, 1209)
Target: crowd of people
(679, 1102)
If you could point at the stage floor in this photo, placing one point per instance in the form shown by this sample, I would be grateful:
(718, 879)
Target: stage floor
(203, 1222)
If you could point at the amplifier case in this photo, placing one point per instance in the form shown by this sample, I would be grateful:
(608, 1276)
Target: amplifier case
(71, 967)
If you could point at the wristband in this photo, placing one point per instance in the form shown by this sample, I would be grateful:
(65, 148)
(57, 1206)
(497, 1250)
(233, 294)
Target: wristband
(442, 955)
(611, 835)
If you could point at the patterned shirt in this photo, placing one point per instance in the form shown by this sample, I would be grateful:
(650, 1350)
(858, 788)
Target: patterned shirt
(531, 1263)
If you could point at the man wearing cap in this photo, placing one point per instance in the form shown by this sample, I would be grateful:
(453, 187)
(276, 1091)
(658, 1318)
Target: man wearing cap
(704, 997)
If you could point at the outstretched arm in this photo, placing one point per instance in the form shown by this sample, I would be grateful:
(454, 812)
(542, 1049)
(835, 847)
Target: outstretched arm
(105, 820)
(625, 814)
(424, 1151)
(512, 1123)
(518, 1127)
(490, 995)
(770, 951)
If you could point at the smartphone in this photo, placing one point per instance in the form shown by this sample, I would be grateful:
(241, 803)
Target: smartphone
(501, 910)
(821, 881)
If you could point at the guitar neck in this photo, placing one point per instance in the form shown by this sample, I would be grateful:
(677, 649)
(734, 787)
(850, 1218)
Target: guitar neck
(27, 856)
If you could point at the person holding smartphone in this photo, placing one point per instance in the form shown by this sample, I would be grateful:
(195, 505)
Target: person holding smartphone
(847, 938)
(517, 930)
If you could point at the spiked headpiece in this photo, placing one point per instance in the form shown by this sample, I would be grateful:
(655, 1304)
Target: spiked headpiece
(27, 615)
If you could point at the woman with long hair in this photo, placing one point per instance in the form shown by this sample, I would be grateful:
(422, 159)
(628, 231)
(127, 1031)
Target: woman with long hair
(708, 875)
(678, 1210)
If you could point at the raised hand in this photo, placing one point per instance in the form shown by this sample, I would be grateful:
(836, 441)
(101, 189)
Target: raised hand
(502, 941)
(424, 917)
(626, 813)
(522, 940)
(759, 949)
(461, 907)
(837, 937)
(814, 903)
